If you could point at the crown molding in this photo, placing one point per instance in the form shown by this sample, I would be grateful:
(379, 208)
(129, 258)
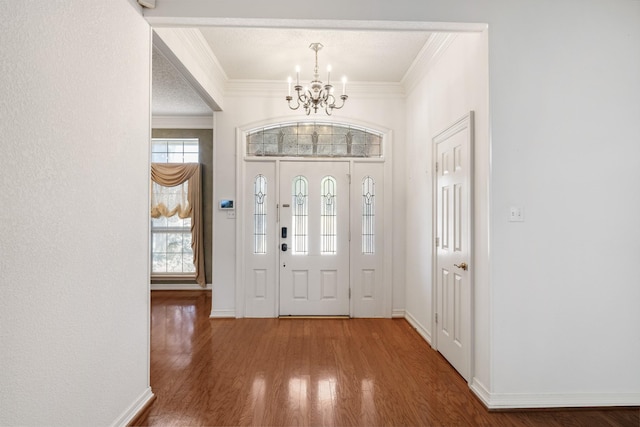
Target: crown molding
(199, 44)
(428, 56)
(270, 88)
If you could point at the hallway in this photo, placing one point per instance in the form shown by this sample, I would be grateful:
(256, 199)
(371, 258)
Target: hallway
(303, 372)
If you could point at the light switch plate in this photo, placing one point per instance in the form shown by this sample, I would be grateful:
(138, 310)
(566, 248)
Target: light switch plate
(231, 214)
(516, 214)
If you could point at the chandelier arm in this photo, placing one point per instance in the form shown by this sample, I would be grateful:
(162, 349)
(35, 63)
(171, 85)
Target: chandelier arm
(343, 98)
(328, 109)
(289, 99)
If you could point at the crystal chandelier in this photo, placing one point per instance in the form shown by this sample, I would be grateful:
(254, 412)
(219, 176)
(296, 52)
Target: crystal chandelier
(317, 96)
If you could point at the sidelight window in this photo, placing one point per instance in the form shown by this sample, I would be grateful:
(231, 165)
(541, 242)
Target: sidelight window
(300, 215)
(368, 215)
(328, 215)
(260, 215)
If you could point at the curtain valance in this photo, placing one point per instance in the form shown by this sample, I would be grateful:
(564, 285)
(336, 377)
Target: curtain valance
(171, 201)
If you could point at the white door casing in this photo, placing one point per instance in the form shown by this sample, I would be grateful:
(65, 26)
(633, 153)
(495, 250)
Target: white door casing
(314, 268)
(453, 269)
(257, 283)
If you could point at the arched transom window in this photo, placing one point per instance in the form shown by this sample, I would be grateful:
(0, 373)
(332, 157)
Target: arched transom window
(314, 140)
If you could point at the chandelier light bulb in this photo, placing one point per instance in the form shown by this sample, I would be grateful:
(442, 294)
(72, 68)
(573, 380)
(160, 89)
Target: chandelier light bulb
(344, 85)
(289, 84)
(297, 74)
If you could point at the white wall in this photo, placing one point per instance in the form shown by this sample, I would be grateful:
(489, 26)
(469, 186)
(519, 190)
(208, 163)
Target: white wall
(564, 324)
(74, 220)
(241, 111)
(456, 83)
(565, 99)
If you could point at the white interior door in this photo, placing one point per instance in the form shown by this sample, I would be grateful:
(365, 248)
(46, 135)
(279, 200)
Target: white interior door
(314, 210)
(453, 238)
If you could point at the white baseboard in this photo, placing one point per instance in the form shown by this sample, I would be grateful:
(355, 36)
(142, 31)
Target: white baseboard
(223, 313)
(133, 410)
(481, 391)
(551, 400)
(398, 313)
(424, 333)
(178, 287)
(562, 400)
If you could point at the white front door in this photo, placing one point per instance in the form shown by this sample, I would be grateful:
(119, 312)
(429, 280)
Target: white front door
(314, 264)
(453, 212)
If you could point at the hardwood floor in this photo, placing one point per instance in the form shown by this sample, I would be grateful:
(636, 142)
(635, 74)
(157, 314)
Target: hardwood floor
(309, 372)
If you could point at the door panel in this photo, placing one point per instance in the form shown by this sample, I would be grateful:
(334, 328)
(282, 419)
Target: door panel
(367, 239)
(314, 208)
(260, 240)
(453, 254)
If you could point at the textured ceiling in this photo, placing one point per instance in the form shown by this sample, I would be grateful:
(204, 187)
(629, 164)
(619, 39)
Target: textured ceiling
(171, 95)
(270, 54)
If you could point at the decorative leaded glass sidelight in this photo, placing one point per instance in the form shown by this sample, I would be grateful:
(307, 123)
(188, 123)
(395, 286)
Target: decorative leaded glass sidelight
(368, 215)
(300, 215)
(260, 215)
(314, 140)
(328, 216)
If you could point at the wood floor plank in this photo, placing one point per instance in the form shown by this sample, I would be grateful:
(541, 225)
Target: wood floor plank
(315, 372)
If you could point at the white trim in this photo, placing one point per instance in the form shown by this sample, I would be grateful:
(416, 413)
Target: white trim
(188, 51)
(240, 225)
(387, 152)
(552, 400)
(424, 332)
(182, 122)
(160, 21)
(270, 88)
(296, 118)
(398, 313)
(132, 411)
(428, 56)
(179, 287)
(215, 197)
(148, 394)
(480, 391)
(222, 313)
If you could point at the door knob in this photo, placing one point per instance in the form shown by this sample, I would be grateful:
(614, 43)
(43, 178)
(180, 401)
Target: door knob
(463, 265)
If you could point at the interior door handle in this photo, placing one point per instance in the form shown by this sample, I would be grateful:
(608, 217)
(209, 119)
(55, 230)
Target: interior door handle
(463, 265)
